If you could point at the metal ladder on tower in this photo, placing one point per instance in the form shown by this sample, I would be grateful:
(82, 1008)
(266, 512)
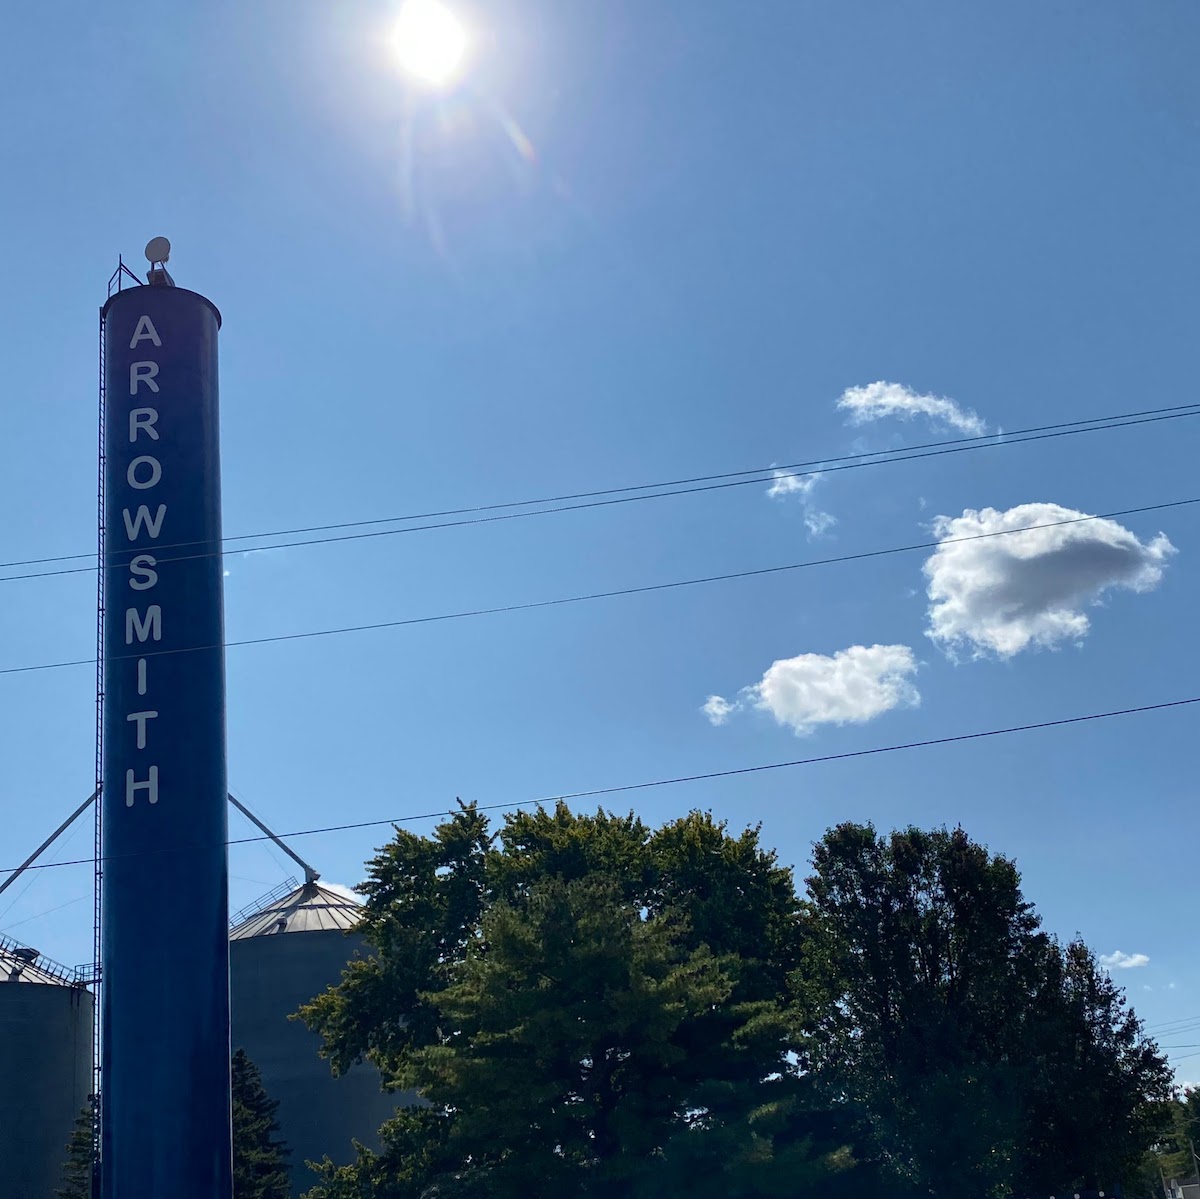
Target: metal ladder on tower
(98, 857)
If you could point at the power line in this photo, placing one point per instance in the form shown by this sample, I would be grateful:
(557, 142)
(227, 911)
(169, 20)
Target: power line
(16, 899)
(268, 846)
(599, 595)
(1169, 1024)
(47, 912)
(628, 788)
(1170, 1033)
(1100, 423)
(619, 495)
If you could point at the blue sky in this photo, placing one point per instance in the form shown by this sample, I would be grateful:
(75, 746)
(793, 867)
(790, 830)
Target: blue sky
(644, 241)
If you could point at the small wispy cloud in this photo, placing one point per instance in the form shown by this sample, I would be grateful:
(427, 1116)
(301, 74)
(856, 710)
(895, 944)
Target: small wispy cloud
(1123, 961)
(881, 399)
(718, 710)
(819, 523)
(786, 485)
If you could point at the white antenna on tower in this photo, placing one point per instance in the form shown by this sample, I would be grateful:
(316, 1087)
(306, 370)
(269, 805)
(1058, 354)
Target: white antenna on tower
(158, 250)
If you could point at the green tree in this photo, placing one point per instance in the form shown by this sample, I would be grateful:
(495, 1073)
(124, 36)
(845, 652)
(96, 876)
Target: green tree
(1185, 1131)
(975, 1054)
(80, 1178)
(259, 1159)
(1171, 1156)
(587, 1007)
(1097, 1089)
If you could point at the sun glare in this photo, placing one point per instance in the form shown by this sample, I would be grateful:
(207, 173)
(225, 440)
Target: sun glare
(431, 42)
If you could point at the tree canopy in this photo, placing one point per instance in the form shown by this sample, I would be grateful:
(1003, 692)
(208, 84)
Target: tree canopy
(974, 1049)
(590, 1006)
(1174, 1154)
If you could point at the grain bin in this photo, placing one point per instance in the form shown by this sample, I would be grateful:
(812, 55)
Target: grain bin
(46, 1020)
(282, 953)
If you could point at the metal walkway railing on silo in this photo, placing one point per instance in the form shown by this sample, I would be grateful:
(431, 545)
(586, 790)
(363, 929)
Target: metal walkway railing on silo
(21, 957)
(263, 902)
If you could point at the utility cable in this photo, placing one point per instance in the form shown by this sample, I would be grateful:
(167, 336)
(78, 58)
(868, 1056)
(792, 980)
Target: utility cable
(269, 846)
(1094, 424)
(619, 496)
(1193, 1021)
(678, 780)
(48, 912)
(599, 595)
(59, 848)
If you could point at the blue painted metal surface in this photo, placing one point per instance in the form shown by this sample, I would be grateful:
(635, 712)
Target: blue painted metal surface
(165, 989)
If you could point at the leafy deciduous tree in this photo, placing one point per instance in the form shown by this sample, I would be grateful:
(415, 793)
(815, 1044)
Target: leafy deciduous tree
(596, 1009)
(976, 1053)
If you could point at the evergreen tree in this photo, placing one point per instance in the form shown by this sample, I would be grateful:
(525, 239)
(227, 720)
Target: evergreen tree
(259, 1160)
(80, 1179)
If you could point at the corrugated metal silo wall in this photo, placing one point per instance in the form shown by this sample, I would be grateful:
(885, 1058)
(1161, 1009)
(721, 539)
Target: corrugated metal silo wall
(270, 977)
(45, 1080)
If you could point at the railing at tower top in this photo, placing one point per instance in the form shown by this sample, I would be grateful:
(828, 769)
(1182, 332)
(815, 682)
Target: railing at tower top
(118, 278)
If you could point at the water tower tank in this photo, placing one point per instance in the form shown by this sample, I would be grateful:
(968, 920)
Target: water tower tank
(281, 955)
(46, 1019)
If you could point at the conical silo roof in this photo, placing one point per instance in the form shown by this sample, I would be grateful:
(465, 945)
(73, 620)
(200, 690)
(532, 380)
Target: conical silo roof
(20, 963)
(308, 908)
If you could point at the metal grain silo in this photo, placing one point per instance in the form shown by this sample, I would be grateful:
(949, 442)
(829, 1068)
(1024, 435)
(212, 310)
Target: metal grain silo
(280, 956)
(46, 1020)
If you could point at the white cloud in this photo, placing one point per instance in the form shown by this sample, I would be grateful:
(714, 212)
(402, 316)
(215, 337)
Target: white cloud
(342, 890)
(1002, 594)
(850, 687)
(1123, 961)
(786, 483)
(877, 400)
(817, 522)
(718, 710)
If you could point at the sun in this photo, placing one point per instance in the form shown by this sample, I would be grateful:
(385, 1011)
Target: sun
(431, 43)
